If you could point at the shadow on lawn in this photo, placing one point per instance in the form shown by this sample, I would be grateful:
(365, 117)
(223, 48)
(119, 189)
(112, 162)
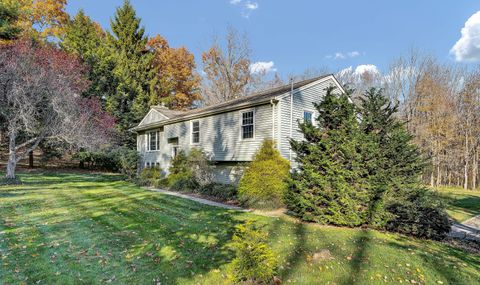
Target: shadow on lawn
(448, 268)
(150, 236)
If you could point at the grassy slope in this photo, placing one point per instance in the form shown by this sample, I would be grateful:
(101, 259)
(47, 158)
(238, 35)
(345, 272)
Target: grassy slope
(462, 204)
(91, 229)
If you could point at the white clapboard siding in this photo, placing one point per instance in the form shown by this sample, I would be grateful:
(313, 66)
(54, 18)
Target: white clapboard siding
(303, 100)
(220, 137)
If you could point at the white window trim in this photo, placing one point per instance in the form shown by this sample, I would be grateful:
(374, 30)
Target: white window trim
(241, 112)
(157, 142)
(191, 132)
(310, 111)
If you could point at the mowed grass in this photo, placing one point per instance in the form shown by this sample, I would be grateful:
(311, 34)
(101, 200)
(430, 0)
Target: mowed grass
(97, 229)
(462, 204)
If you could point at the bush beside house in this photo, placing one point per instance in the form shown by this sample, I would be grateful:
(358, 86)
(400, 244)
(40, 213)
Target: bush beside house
(264, 182)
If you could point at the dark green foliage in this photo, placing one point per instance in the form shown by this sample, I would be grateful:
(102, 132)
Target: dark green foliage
(419, 213)
(98, 160)
(86, 39)
(399, 201)
(133, 69)
(359, 166)
(181, 177)
(151, 176)
(127, 161)
(254, 262)
(264, 182)
(223, 192)
(122, 159)
(329, 185)
(189, 172)
(8, 17)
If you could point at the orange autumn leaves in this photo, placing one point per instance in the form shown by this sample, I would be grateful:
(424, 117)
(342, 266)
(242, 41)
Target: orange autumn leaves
(41, 18)
(177, 83)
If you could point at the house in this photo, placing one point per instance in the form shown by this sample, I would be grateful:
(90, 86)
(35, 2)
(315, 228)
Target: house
(231, 132)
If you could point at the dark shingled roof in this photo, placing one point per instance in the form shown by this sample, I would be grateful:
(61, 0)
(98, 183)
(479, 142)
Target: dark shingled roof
(257, 97)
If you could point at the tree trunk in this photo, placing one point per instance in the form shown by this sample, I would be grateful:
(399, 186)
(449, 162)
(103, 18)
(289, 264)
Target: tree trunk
(465, 169)
(30, 159)
(474, 170)
(12, 157)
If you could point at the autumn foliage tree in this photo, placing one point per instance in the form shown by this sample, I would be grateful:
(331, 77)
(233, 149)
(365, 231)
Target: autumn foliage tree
(41, 19)
(227, 69)
(40, 99)
(177, 83)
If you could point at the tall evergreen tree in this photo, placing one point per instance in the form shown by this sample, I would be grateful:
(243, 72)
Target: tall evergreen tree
(393, 162)
(8, 17)
(86, 39)
(133, 68)
(329, 185)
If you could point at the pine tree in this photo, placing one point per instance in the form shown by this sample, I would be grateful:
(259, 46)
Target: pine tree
(392, 162)
(8, 18)
(399, 201)
(329, 185)
(86, 39)
(133, 68)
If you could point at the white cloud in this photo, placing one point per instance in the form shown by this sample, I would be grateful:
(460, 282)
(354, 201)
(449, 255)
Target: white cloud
(343, 55)
(235, 2)
(262, 67)
(467, 48)
(251, 5)
(366, 68)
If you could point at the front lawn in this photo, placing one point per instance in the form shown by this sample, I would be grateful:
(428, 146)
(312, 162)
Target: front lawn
(95, 229)
(462, 204)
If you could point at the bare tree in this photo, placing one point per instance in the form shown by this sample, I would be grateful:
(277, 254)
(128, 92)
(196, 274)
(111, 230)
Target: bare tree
(227, 69)
(40, 89)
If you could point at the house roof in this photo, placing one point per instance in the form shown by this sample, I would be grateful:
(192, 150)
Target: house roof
(249, 100)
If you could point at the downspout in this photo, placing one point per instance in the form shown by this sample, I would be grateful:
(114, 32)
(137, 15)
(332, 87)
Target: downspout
(291, 117)
(273, 102)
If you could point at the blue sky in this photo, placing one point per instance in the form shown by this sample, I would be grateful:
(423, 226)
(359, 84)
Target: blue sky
(296, 35)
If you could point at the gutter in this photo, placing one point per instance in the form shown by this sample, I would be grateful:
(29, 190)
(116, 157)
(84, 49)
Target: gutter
(199, 115)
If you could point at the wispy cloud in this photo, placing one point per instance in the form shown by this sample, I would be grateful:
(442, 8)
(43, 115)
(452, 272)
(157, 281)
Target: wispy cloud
(467, 48)
(246, 7)
(262, 67)
(251, 5)
(343, 55)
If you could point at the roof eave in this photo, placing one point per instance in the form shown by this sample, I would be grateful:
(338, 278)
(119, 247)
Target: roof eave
(199, 115)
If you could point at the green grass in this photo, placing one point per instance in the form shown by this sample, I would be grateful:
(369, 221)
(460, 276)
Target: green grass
(462, 204)
(95, 229)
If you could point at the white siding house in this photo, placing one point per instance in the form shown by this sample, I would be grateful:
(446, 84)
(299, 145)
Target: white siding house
(231, 132)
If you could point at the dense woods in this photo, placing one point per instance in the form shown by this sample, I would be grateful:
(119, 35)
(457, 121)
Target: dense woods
(440, 104)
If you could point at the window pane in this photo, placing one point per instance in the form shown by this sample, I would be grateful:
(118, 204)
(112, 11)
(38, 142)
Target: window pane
(247, 132)
(196, 137)
(153, 141)
(196, 132)
(196, 126)
(307, 117)
(247, 118)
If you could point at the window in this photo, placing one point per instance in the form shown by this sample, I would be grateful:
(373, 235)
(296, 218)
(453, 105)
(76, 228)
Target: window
(247, 125)
(153, 141)
(195, 132)
(148, 164)
(307, 117)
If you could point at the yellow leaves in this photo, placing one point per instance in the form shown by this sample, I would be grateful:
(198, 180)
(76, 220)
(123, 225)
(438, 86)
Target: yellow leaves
(43, 18)
(176, 75)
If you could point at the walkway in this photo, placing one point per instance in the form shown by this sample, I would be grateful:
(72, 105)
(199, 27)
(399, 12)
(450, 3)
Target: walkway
(199, 200)
(469, 229)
